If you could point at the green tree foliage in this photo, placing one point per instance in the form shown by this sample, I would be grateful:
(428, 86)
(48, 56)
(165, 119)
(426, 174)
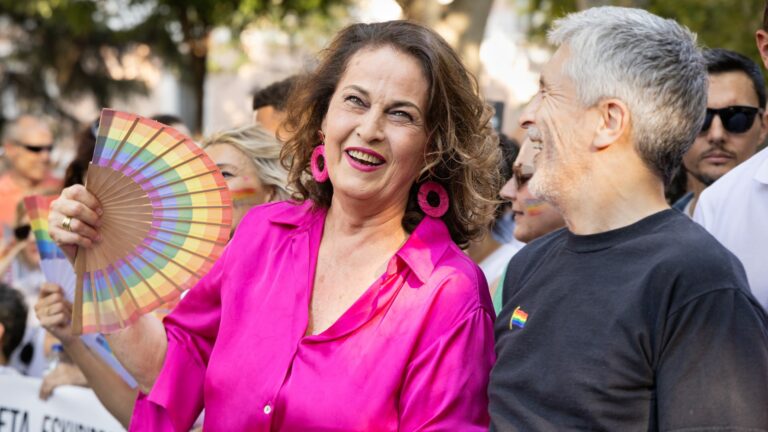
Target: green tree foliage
(52, 50)
(190, 22)
(719, 23)
(466, 18)
(55, 51)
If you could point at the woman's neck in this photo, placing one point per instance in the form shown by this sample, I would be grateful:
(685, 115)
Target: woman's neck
(349, 222)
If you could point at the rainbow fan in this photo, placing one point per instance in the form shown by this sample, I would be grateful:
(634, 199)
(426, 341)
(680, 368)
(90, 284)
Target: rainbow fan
(53, 262)
(166, 219)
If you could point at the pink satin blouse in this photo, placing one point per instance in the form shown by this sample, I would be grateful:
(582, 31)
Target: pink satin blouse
(413, 353)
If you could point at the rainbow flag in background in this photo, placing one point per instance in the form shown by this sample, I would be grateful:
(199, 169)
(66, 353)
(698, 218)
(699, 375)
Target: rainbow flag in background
(58, 270)
(519, 318)
(37, 209)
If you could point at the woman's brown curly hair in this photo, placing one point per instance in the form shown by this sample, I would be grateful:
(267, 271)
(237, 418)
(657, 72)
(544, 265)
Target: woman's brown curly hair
(462, 152)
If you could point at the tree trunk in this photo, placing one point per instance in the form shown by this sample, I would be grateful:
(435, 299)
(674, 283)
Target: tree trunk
(472, 15)
(461, 23)
(426, 12)
(199, 72)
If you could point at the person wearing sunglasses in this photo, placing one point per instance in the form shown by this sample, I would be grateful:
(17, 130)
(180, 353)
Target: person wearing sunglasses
(27, 143)
(633, 318)
(735, 208)
(734, 125)
(533, 217)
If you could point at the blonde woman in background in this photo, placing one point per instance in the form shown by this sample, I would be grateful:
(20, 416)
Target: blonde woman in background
(249, 160)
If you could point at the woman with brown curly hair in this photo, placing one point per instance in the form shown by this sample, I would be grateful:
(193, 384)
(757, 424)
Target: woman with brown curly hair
(350, 308)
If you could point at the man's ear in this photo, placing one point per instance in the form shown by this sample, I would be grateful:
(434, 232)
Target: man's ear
(763, 127)
(761, 38)
(613, 122)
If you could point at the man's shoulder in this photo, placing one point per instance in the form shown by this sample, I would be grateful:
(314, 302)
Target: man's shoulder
(533, 252)
(693, 260)
(541, 245)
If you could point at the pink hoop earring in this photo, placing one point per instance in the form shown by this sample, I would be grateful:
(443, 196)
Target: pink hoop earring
(320, 175)
(431, 190)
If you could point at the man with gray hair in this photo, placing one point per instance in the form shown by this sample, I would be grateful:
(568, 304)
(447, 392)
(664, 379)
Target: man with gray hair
(28, 143)
(632, 317)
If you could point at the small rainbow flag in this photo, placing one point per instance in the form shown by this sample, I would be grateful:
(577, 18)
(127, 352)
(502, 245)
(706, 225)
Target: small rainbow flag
(519, 318)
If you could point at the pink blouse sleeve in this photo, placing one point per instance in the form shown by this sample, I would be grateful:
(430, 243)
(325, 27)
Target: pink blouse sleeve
(446, 385)
(176, 398)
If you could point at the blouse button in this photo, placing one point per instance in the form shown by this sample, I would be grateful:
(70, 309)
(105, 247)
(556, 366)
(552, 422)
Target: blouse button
(267, 409)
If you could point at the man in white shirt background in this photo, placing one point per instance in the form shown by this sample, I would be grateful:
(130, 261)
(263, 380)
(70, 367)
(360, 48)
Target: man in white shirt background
(734, 127)
(735, 208)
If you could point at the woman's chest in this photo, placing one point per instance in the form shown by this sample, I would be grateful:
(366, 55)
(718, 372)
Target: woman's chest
(337, 285)
(348, 378)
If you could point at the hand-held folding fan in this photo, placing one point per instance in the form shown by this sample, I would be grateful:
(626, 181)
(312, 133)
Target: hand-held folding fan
(166, 218)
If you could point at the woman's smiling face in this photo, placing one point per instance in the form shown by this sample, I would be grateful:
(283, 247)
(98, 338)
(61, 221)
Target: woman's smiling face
(375, 128)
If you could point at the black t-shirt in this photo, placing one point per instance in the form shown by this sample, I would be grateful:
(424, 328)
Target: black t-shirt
(647, 327)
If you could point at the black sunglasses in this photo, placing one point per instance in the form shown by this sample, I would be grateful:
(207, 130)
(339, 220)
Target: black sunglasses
(35, 148)
(735, 119)
(22, 232)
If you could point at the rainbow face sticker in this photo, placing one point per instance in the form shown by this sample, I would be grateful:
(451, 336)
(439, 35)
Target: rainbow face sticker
(245, 197)
(533, 206)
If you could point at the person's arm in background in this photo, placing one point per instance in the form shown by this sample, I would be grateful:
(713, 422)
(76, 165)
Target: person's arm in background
(141, 347)
(54, 313)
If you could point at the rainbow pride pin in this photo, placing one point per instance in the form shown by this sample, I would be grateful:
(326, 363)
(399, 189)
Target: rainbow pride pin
(519, 318)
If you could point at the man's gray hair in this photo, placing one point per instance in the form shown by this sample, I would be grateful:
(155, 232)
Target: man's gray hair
(13, 128)
(650, 63)
(10, 131)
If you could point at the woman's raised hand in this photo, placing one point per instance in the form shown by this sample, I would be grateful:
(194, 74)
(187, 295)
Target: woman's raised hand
(74, 219)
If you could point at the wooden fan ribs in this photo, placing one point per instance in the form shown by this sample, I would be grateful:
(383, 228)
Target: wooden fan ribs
(108, 181)
(165, 221)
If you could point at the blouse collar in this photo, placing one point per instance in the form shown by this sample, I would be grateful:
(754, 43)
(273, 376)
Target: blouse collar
(421, 252)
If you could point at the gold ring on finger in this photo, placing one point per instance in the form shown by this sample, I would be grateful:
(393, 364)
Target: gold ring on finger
(66, 223)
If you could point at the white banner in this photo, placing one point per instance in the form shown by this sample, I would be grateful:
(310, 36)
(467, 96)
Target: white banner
(69, 409)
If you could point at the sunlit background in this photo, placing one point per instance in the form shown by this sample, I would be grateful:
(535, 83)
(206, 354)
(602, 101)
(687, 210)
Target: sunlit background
(203, 59)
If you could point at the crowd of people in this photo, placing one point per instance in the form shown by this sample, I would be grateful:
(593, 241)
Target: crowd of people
(396, 264)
